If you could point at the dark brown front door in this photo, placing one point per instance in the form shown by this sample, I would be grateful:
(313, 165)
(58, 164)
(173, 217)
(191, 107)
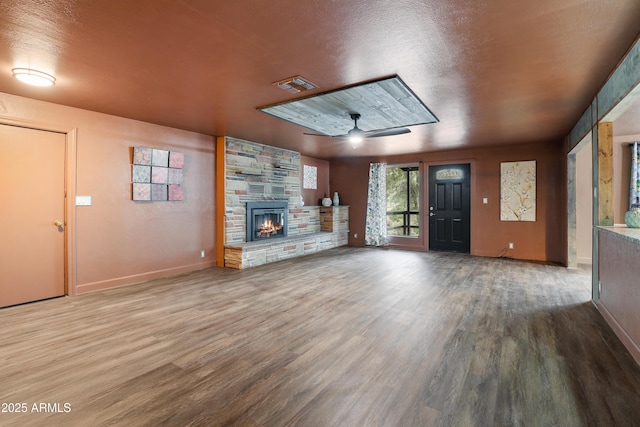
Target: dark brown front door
(449, 208)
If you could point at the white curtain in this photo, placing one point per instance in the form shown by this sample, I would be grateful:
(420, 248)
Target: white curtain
(376, 227)
(635, 174)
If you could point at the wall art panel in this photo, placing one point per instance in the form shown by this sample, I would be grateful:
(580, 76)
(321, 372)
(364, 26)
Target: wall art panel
(518, 191)
(310, 177)
(157, 175)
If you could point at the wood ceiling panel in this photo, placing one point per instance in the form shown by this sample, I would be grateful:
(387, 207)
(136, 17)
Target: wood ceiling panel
(382, 104)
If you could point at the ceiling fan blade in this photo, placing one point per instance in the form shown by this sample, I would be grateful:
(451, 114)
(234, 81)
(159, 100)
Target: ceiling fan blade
(322, 134)
(386, 132)
(358, 133)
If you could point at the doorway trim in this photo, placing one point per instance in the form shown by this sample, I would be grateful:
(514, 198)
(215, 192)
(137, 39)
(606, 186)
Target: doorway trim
(70, 178)
(572, 193)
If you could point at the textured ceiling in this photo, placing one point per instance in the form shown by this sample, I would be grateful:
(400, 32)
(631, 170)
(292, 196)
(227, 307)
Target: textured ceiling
(493, 72)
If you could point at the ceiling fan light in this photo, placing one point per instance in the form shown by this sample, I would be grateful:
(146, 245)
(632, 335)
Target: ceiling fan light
(355, 143)
(355, 139)
(34, 77)
(356, 135)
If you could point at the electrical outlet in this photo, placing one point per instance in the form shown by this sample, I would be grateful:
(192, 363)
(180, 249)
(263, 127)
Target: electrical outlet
(510, 245)
(202, 253)
(355, 235)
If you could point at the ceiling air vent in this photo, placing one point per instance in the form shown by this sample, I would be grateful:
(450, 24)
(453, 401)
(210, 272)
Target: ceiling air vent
(295, 84)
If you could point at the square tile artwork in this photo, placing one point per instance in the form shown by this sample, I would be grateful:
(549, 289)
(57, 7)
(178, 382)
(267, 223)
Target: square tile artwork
(141, 173)
(141, 191)
(160, 158)
(142, 156)
(157, 175)
(175, 176)
(176, 160)
(176, 192)
(158, 192)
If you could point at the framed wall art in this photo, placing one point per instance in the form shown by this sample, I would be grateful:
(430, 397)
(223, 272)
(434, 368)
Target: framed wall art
(518, 191)
(310, 177)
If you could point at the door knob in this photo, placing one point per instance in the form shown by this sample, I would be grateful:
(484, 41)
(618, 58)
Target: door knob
(58, 223)
(431, 214)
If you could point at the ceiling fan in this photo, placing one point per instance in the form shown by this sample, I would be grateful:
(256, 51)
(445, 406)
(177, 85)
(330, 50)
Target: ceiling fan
(356, 134)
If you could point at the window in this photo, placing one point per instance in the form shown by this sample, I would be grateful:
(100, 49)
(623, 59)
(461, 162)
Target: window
(403, 192)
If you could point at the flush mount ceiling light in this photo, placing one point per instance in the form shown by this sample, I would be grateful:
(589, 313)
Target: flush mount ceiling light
(33, 77)
(385, 107)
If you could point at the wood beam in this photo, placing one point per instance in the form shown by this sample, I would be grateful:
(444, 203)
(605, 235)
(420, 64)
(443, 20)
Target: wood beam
(605, 174)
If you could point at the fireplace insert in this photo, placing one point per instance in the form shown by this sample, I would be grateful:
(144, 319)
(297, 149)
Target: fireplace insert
(266, 220)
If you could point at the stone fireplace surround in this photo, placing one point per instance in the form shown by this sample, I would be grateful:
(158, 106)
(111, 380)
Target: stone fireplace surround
(257, 173)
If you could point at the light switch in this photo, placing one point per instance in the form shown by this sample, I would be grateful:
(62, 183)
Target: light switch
(83, 200)
(485, 200)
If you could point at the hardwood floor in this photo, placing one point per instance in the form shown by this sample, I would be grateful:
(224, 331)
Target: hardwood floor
(347, 337)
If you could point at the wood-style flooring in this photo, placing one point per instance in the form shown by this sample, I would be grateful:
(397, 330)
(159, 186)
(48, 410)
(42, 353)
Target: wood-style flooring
(347, 337)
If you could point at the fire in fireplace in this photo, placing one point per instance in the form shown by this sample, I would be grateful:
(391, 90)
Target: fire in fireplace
(268, 229)
(266, 220)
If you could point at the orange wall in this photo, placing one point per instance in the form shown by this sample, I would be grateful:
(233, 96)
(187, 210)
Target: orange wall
(544, 239)
(119, 241)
